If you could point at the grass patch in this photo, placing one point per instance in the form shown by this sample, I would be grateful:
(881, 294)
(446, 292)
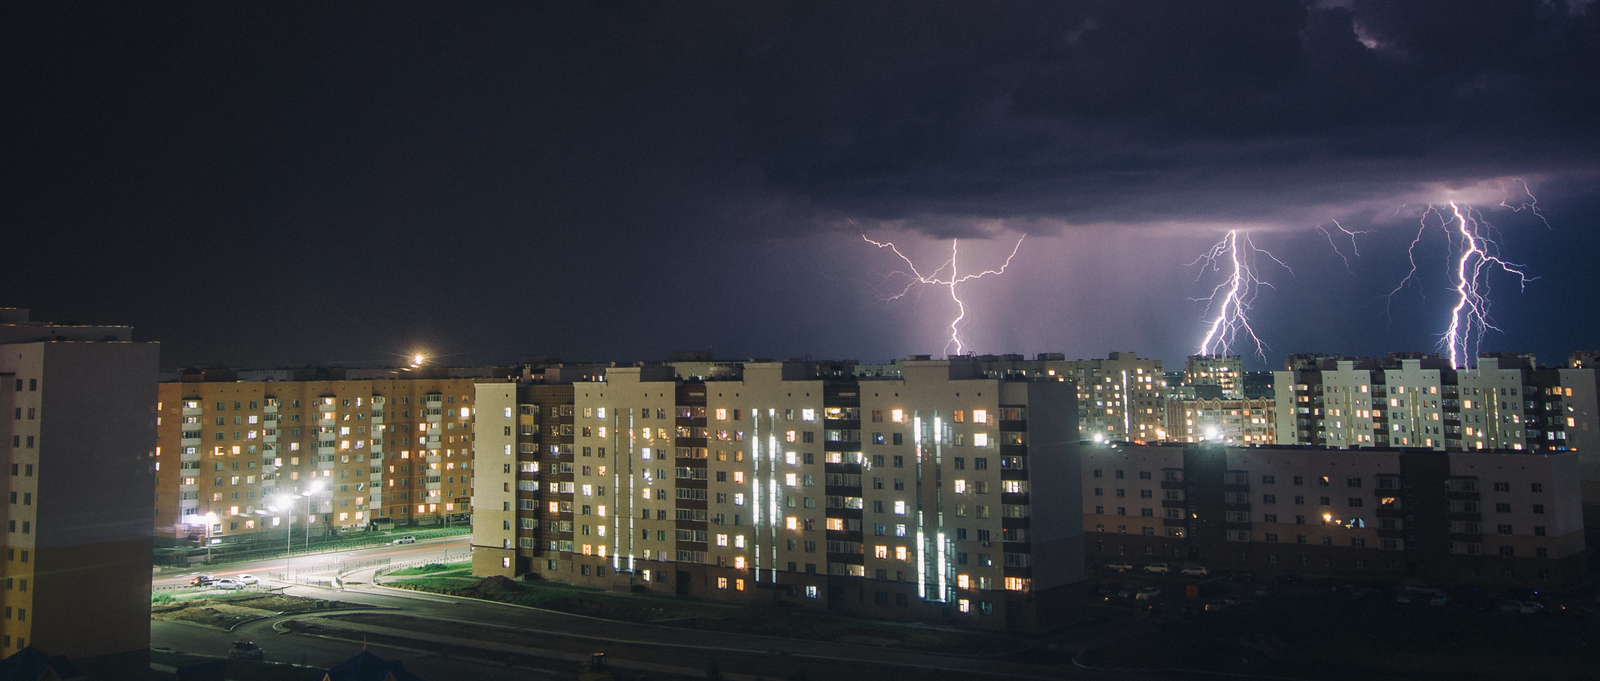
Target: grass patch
(431, 568)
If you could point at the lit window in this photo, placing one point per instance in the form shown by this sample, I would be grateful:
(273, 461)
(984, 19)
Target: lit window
(964, 605)
(961, 583)
(738, 584)
(738, 562)
(722, 540)
(880, 552)
(980, 416)
(899, 508)
(738, 543)
(792, 523)
(722, 582)
(961, 487)
(789, 479)
(738, 476)
(722, 415)
(900, 553)
(899, 415)
(602, 513)
(808, 414)
(980, 439)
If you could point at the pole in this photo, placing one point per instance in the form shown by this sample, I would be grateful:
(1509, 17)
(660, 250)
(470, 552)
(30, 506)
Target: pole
(288, 544)
(208, 541)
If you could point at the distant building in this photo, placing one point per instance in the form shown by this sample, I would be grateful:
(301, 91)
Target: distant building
(798, 482)
(390, 450)
(1225, 372)
(77, 563)
(1224, 421)
(1488, 518)
(1414, 400)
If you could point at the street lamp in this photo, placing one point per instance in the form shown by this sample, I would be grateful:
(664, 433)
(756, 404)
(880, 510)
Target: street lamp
(282, 504)
(211, 520)
(316, 486)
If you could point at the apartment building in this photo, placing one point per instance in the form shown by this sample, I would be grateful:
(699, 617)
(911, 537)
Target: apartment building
(1479, 517)
(1235, 421)
(899, 496)
(1224, 372)
(1413, 400)
(1119, 398)
(77, 565)
(319, 451)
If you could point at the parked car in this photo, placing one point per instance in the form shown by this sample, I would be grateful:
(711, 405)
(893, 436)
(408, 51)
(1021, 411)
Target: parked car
(1158, 568)
(1524, 607)
(202, 580)
(247, 579)
(1148, 593)
(1196, 571)
(408, 539)
(1119, 566)
(227, 583)
(245, 650)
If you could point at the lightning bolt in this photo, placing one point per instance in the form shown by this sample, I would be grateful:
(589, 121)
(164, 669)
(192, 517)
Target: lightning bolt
(1354, 247)
(1233, 299)
(1474, 256)
(1531, 205)
(916, 278)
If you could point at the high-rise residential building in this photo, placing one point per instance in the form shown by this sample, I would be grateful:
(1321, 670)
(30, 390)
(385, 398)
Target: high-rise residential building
(1411, 400)
(370, 451)
(81, 401)
(1226, 421)
(1476, 517)
(904, 496)
(1224, 372)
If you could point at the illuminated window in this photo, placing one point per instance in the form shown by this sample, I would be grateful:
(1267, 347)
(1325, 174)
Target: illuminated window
(899, 508)
(980, 439)
(900, 553)
(980, 416)
(961, 487)
(792, 523)
(588, 549)
(808, 414)
(788, 458)
(836, 524)
(738, 543)
(789, 479)
(602, 512)
(554, 507)
(738, 476)
(722, 540)
(789, 436)
(964, 605)
(722, 582)
(722, 415)
(880, 552)
(898, 415)
(738, 584)
(962, 583)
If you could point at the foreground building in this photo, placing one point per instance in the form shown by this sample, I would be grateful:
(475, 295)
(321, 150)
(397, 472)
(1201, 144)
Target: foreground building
(80, 404)
(366, 451)
(1478, 517)
(906, 496)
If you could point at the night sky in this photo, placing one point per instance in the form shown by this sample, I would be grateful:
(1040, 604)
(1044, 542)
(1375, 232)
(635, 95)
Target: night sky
(265, 184)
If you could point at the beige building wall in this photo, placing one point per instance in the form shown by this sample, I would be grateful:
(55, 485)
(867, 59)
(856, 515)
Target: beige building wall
(494, 533)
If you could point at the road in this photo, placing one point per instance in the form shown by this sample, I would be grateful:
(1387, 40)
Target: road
(299, 649)
(422, 550)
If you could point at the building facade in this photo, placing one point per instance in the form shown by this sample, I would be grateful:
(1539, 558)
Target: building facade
(1419, 401)
(1224, 372)
(1234, 422)
(1476, 517)
(77, 565)
(905, 496)
(359, 452)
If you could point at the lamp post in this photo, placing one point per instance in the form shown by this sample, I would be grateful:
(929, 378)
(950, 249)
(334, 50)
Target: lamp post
(281, 504)
(211, 520)
(315, 487)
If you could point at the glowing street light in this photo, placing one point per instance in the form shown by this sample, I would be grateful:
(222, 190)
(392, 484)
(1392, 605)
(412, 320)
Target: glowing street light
(211, 521)
(418, 359)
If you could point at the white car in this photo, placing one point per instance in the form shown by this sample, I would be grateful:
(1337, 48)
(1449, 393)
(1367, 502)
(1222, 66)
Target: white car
(408, 539)
(247, 579)
(227, 583)
(1158, 568)
(1148, 593)
(1196, 571)
(1120, 566)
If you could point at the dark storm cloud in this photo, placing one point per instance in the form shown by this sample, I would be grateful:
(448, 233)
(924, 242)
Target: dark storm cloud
(271, 183)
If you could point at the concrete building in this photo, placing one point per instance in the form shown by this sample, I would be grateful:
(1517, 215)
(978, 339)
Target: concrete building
(1413, 400)
(1233, 422)
(77, 564)
(1477, 517)
(386, 450)
(1225, 372)
(799, 482)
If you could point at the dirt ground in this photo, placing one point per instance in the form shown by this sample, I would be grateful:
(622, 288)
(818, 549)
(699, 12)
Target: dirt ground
(225, 612)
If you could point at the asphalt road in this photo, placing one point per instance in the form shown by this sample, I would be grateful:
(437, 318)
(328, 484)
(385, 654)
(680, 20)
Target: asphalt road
(422, 550)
